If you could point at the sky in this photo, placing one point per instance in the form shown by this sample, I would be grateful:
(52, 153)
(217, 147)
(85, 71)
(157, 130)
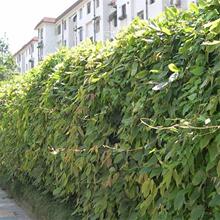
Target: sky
(19, 17)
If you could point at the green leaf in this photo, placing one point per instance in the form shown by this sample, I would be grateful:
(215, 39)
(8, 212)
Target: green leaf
(57, 191)
(193, 7)
(215, 26)
(204, 141)
(192, 97)
(141, 74)
(179, 200)
(168, 177)
(198, 177)
(173, 68)
(218, 169)
(118, 158)
(134, 69)
(197, 70)
(215, 201)
(145, 189)
(94, 80)
(166, 30)
(197, 212)
(213, 152)
(145, 204)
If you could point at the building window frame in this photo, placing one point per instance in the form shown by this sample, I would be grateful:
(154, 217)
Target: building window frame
(97, 3)
(59, 29)
(89, 7)
(152, 2)
(114, 18)
(80, 13)
(123, 12)
(64, 25)
(81, 34)
(97, 25)
(140, 14)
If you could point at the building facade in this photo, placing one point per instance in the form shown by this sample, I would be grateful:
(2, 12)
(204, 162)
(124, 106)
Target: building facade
(85, 19)
(46, 37)
(26, 57)
(97, 20)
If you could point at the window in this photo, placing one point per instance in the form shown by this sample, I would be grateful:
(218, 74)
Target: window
(88, 7)
(64, 25)
(40, 33)
(175, 3)
(19, 58)
(123, 12)
(59, 29)
(75, 18)
(140, 14)
(64, 43)
(113, 18)
(31, 63)
(31, 49)
(80, 34)
(97, 25)
(75, 22)
(97, 3)
(152, 1)
(80, 13)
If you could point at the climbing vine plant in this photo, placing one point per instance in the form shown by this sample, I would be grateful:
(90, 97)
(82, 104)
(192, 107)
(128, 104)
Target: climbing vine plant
(125, 130)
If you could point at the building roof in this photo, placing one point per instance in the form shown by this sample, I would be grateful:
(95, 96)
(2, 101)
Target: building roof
(69, 9)
(34, 39)
(46, 20)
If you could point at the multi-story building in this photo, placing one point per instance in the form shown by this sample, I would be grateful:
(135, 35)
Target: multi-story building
(85, 19)
(127, 10)
(26, 57)
(46, 37)
(97, 20)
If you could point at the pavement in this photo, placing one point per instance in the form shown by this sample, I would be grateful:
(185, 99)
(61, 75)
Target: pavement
(9, 210)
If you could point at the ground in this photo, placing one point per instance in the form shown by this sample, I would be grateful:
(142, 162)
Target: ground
(9, 210)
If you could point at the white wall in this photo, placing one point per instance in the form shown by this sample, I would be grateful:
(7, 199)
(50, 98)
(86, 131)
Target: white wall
(155, 9)
(86, 22)
(50, 45)
(27, 54)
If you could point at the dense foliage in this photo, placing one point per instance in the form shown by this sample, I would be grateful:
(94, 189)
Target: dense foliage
(7, 63)
(128, 130)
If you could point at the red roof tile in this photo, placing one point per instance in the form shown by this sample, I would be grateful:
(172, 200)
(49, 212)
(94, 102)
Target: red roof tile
(34, 39)
(46, 20)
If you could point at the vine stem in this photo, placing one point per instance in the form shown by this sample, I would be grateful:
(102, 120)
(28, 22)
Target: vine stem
(175, 126)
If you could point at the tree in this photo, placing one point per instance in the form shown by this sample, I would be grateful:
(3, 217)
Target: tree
(7, 63)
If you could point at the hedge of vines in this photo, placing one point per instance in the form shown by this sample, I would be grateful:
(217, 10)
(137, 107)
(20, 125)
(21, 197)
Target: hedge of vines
(125, 130)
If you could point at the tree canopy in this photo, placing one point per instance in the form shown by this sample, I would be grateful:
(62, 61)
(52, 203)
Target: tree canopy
(7, 63)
